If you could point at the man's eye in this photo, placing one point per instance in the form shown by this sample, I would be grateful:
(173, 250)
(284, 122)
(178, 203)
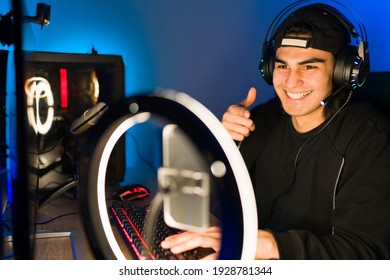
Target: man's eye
(310, 67)
(281, 66)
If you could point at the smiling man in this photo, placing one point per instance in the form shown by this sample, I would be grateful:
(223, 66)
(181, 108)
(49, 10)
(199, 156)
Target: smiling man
(319, 160)
(302, 79)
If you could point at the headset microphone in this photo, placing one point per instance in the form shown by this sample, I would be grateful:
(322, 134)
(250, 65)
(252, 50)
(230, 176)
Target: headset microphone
(326, 100)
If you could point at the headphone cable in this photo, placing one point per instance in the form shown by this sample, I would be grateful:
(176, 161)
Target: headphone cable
(322, 129)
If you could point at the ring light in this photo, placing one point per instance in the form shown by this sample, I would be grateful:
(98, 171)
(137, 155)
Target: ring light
(238, 215)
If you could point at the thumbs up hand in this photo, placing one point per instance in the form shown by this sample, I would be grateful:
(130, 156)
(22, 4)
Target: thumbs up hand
(237, 117)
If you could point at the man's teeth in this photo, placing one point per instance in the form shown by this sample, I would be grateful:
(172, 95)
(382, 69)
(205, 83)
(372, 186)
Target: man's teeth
(297, 95)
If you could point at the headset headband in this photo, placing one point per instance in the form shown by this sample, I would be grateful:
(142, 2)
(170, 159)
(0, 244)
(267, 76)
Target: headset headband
(360, 36)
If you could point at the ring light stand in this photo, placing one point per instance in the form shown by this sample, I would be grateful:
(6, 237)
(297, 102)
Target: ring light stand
(234, 187)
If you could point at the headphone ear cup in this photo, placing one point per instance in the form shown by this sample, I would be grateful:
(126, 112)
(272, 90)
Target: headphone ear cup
(342, 67)
(350, 68)
(267, 65)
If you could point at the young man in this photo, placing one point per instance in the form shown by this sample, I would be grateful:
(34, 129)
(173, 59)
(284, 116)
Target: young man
(318, 160)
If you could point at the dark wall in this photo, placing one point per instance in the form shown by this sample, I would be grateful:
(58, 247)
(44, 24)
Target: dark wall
(208, 49)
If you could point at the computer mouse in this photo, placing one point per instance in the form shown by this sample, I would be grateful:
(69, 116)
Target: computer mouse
(131, 192)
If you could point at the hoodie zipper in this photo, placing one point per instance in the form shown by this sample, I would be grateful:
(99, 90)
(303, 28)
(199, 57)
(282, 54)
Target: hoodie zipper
(335, 187)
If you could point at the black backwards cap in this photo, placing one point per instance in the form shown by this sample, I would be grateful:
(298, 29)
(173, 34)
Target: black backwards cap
(329, 33)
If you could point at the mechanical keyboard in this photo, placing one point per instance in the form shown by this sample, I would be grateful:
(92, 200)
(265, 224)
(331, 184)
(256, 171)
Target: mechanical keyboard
(130, 220)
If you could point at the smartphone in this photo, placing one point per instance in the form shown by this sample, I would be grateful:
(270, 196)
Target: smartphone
(184, 181)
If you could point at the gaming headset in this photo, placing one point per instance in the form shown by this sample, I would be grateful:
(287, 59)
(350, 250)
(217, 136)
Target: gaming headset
(351, 64)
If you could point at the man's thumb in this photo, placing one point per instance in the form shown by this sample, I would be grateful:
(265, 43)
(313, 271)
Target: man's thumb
(250, 98)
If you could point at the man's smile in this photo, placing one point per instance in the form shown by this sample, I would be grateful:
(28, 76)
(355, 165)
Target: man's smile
(298, 95)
